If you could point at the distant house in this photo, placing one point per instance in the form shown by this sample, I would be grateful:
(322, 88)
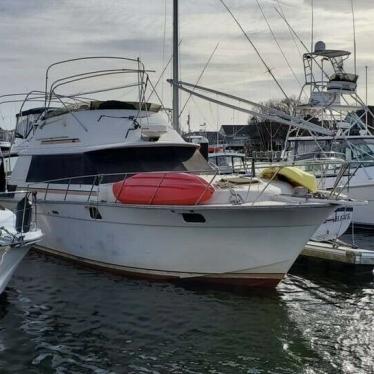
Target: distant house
(214, 137)
(233, 137)
(266, 135)
(236, 136)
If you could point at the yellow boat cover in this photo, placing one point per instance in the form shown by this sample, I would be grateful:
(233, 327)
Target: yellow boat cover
(293, 175)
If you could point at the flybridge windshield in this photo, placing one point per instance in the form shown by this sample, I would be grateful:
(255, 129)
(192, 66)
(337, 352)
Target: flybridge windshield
(360, 149)
(89, 83)
(106, 105)
(114, 161)
(344, 77)
(28, 118)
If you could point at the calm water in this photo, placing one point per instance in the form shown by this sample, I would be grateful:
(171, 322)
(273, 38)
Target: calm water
(61, 318)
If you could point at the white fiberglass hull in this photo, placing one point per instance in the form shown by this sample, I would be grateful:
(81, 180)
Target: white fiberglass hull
(10, 258)
(363, 215)
(361, 187)
(253, 246)
(335, 225)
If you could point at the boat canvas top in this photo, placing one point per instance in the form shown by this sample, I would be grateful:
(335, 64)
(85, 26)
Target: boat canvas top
(328, 53)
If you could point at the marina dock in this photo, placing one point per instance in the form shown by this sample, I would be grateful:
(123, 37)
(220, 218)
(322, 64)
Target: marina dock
(345, 254)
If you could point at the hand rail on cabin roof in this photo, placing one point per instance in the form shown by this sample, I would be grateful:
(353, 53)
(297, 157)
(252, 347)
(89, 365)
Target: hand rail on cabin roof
(49, 68)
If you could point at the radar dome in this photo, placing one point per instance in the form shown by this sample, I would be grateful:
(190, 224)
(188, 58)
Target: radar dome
(319, 46)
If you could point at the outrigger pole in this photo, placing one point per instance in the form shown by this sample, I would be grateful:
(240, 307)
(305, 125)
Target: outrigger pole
(258, 110)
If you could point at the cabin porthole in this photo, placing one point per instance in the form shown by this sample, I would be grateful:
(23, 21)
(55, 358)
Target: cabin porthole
(94, 213)
(193, 218)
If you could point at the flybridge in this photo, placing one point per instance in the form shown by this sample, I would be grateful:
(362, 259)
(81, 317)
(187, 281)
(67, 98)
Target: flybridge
(93, 105)
(85, 84)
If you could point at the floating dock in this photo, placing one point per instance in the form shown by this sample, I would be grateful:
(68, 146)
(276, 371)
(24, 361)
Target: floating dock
(341, 253)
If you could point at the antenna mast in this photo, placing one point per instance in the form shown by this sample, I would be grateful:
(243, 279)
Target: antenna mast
(366, 85)
(354, 37)
(366, 95)
(175, 66)
(312, 47)
(312, 32)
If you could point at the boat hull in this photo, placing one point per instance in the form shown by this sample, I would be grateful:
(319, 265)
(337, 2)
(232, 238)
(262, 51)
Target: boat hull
(363, 215)
(241, 280)
(361, 188)
(335, 225)
(235, 246)
(10, 259)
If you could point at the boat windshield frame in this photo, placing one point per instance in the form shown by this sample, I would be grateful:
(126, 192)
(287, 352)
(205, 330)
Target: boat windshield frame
(344, 77)
(356, 149)
(229, 163)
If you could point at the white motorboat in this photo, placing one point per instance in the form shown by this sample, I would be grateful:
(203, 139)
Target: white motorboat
(334, 104)
(117, 187)
(17, 236)
(245, 234)
(357, 180)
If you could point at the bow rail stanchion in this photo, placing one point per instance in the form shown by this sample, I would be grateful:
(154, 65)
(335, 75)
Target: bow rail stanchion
(206, 188)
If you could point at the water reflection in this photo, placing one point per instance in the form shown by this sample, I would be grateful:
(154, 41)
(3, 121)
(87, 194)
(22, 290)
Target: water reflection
(62, 318)
(334, 309)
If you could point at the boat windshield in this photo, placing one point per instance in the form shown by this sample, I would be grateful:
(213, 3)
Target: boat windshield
(229, 163)
(113, 164)
(361, 150)
(344, 77)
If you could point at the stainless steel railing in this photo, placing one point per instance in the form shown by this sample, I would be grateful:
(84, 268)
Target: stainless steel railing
(90, 184)
(98, 179)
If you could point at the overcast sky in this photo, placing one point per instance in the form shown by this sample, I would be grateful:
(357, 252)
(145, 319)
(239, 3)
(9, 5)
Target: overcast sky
(35, 33)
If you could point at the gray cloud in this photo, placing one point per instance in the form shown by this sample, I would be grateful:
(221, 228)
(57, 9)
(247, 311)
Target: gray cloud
(38, 32)
(130, 46)
(341, 6)
(21, 8)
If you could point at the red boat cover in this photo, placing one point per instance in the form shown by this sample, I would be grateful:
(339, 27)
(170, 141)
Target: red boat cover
(163, 189)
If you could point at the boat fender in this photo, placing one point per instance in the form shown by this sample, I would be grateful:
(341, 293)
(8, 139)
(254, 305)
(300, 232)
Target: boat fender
(23, 215)
(163, 188)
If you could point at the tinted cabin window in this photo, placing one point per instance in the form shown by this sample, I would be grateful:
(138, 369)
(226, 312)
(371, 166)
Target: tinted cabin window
(48, 168)
(112, 161)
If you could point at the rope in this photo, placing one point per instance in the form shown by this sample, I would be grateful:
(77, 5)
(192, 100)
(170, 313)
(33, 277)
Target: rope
(277, 43)
(281, 12)
(255, 48)
(164, 47)
(200, 76)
